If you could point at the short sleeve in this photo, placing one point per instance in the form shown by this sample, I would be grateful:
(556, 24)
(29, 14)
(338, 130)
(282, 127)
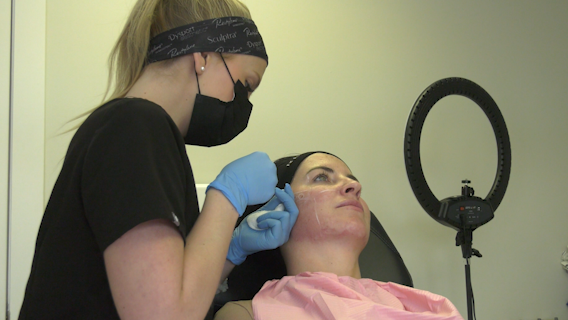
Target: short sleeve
(133, 172)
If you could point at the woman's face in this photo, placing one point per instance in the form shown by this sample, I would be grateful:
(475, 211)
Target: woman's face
(216, 82)
(328, 197)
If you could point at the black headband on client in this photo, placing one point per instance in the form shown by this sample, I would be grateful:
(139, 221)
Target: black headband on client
(224, 35)
(286, 167)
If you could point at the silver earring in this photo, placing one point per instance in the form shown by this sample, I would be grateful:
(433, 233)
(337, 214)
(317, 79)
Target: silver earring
(202, 69)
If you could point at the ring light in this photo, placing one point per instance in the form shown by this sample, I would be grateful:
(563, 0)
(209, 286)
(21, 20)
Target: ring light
(465, 211)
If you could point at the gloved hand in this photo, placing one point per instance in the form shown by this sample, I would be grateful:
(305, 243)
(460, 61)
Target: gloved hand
(247, 181)
(275, 228)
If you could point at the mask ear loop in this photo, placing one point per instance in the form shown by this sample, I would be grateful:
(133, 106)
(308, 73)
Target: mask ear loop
(197, 78)
(234, 93)
(227, 67)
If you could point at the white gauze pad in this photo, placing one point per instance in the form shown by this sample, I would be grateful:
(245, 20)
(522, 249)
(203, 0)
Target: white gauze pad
(251, 218)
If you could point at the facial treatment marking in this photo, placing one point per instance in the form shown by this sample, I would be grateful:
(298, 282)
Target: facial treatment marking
(318, 219)
(301, 196)
(323, 191)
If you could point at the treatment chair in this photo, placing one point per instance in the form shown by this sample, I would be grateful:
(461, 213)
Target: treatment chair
(379, 261)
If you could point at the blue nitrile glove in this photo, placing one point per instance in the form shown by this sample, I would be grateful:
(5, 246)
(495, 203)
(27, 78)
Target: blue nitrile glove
(247, 181)
(275, 228)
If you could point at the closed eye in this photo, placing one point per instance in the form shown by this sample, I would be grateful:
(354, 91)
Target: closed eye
(248, 87)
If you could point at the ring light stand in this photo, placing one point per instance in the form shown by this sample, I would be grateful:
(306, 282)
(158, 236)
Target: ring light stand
(466, 212)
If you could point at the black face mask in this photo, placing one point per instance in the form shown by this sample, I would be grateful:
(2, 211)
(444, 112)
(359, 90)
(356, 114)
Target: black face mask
(215, 122)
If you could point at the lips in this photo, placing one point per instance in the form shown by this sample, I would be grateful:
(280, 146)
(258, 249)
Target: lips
(351, 203)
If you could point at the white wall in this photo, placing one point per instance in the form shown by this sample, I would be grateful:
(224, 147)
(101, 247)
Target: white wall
(80, 35)
(5, 22)
(28, 142)
(343, 78)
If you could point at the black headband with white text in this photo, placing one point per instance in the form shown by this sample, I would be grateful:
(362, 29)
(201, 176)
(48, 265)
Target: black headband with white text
(224, 35)
(286, 167)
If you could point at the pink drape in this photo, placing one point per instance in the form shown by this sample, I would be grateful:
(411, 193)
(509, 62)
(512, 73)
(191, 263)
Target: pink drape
(320, 295)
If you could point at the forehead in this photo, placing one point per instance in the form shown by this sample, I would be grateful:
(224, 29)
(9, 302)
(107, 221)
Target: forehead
(322, 160)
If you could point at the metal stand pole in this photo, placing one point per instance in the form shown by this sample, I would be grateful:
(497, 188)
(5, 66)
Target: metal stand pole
(464, 239)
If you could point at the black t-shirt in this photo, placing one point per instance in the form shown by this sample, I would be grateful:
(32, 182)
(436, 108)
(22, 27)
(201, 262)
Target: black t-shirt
(126, 165)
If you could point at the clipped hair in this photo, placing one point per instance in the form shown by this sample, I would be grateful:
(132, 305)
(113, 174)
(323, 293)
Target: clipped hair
(150, 18)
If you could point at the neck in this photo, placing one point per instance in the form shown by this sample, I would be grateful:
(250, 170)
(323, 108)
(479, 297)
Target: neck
(336, 257)
(172, 86)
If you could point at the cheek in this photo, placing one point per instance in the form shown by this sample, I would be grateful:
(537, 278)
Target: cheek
(318, 219)
(367, 222)
(228, 94)
(367, 214)
(224, 88)
(312, 217)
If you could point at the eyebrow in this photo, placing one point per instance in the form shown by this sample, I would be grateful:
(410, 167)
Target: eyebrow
(328, 169)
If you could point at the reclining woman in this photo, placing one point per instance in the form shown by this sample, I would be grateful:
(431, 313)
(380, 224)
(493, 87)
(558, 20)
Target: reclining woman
(322, 256)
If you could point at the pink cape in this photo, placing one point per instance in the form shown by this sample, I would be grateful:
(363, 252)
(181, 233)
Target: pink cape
(320, 295)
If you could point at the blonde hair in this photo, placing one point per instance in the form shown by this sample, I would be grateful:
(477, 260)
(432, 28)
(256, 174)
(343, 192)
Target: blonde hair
(148, 19)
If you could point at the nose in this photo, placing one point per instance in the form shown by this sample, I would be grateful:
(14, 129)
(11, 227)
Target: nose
(351, 187)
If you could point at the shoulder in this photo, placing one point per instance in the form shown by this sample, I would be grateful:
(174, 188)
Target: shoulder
(130, 110)
(236, 310)
(131, 121)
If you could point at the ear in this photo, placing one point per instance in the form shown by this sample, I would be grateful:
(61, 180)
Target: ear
(202, 59)
(199, 59)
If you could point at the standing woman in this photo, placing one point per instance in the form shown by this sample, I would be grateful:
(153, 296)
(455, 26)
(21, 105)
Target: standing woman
(122, 236)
